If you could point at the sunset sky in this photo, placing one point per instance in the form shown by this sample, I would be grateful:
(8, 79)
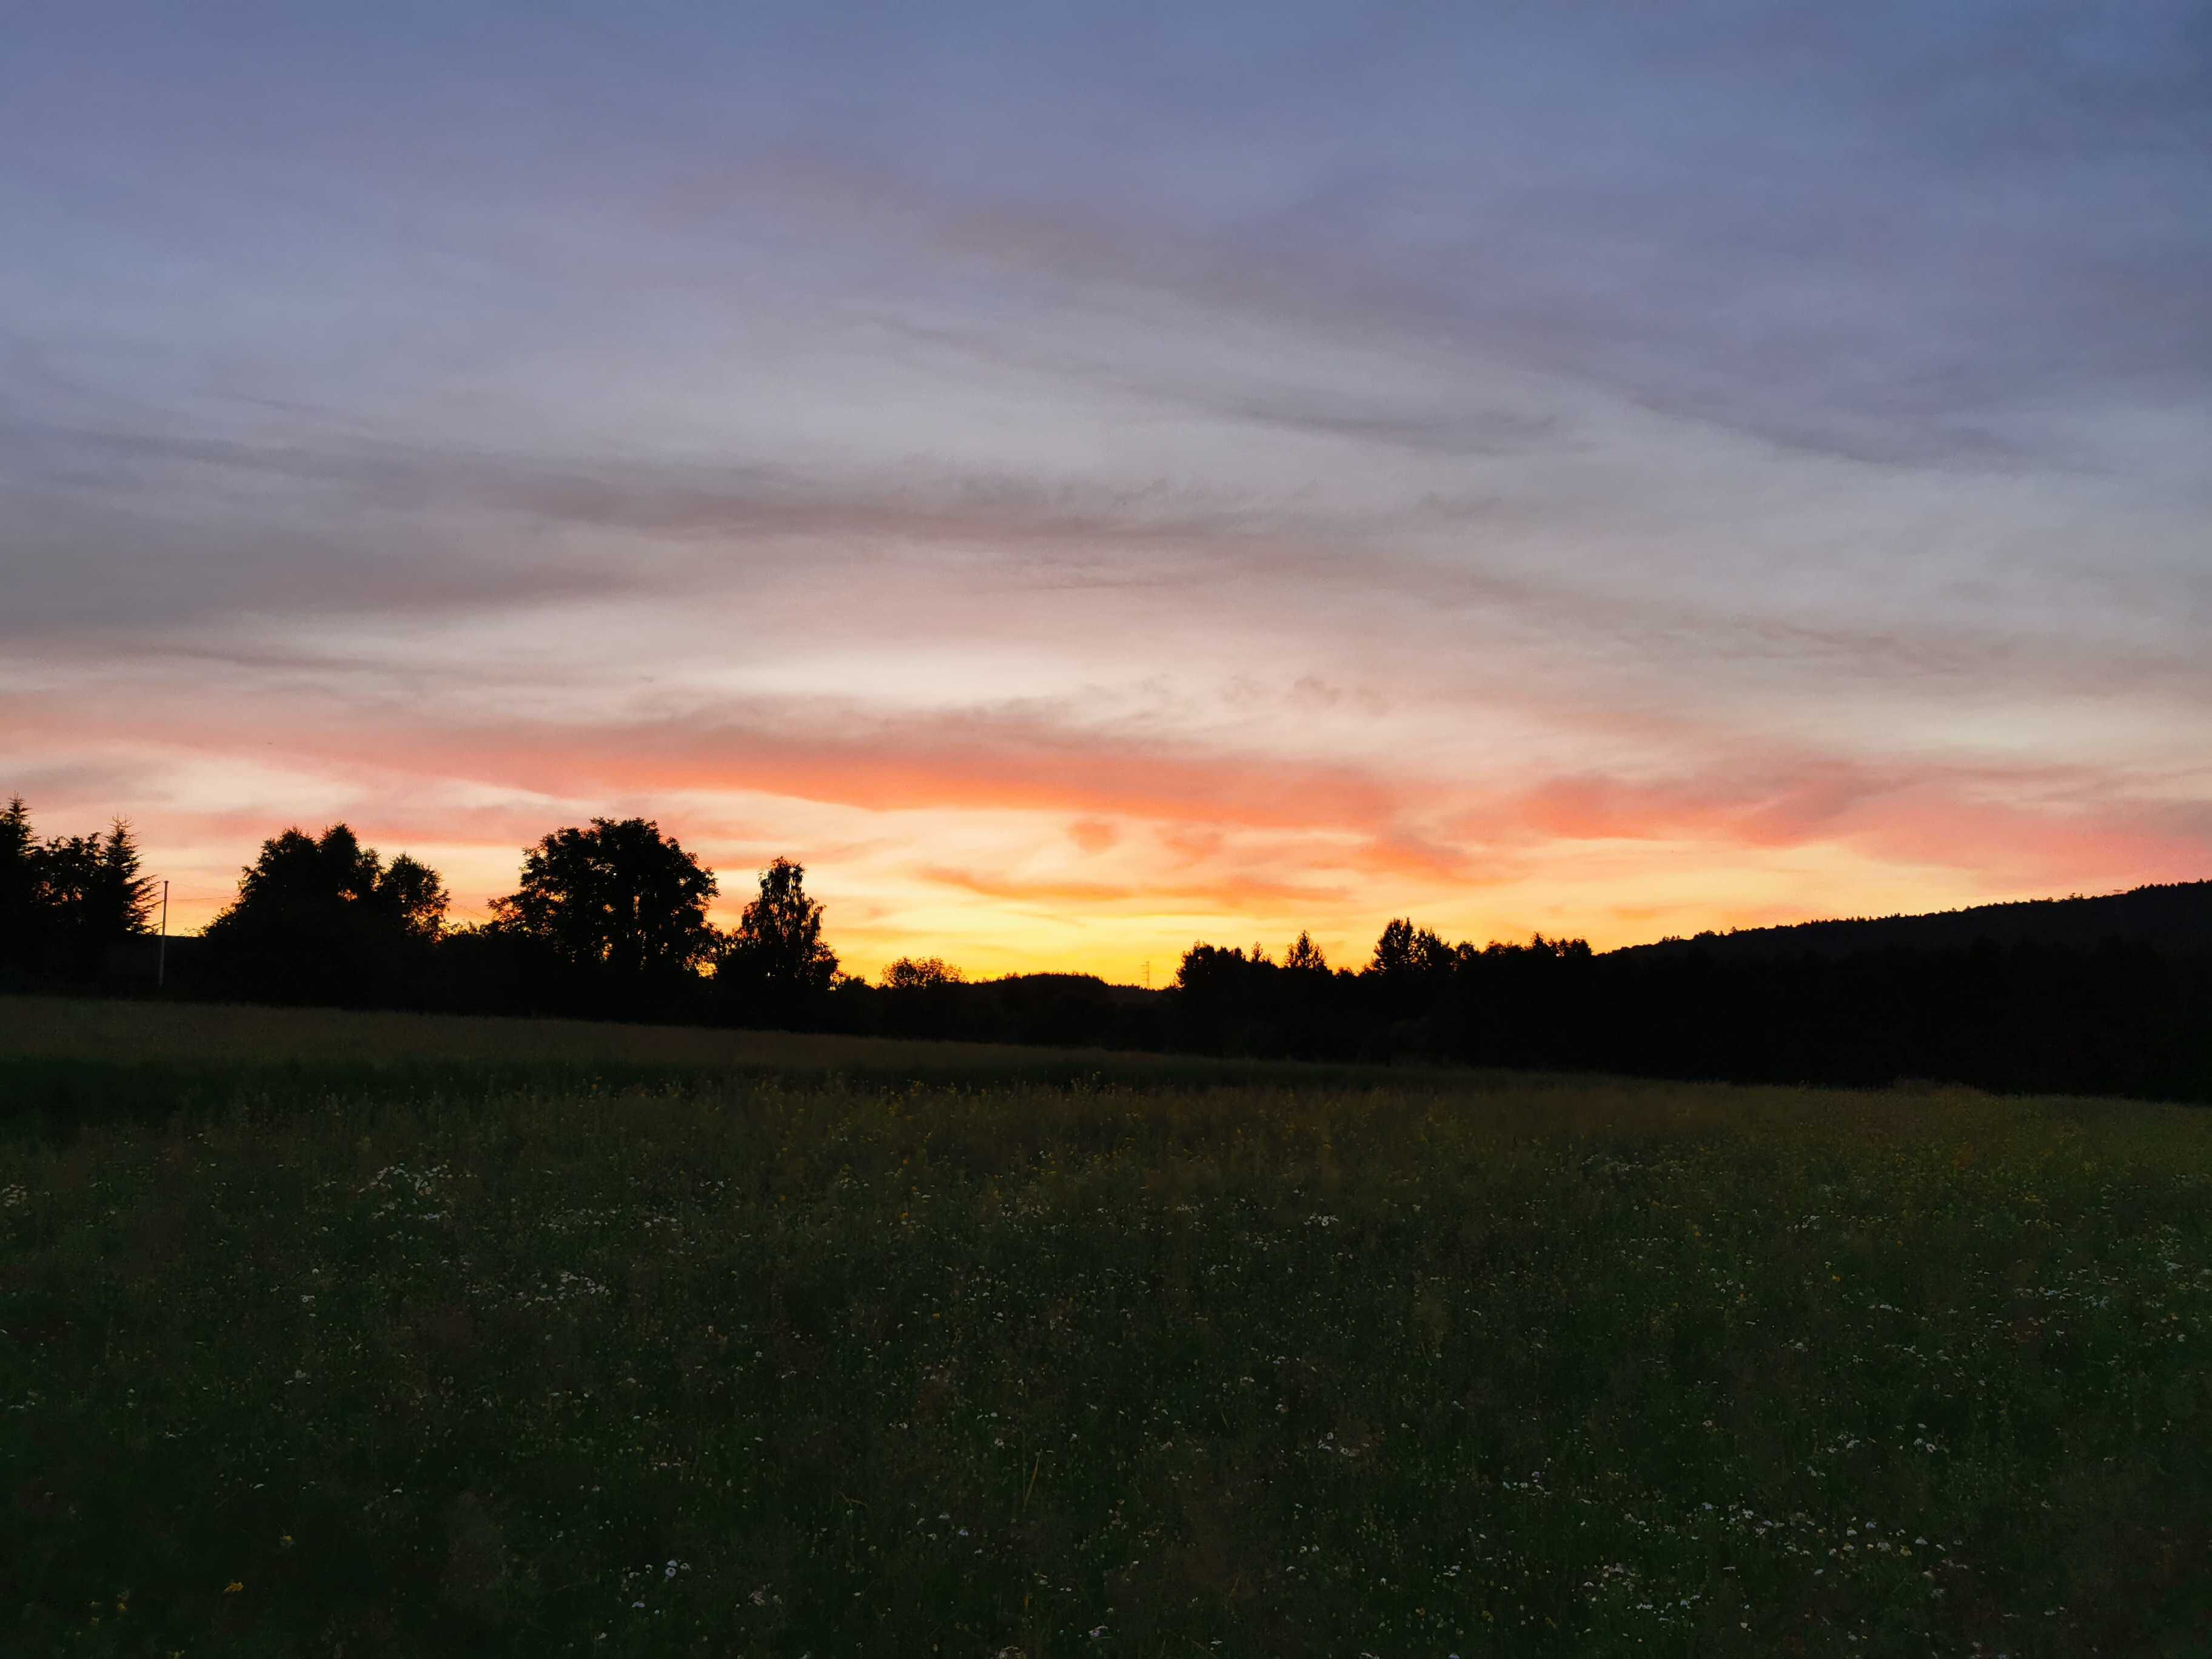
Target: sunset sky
(1083, 479)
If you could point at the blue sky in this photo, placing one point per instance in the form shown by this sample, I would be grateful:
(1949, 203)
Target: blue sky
(1088, 478)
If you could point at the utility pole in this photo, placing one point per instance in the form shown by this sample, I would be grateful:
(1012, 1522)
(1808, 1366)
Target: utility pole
(162, 950)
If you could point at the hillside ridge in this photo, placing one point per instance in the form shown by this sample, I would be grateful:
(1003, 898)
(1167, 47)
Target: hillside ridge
(2172, 915)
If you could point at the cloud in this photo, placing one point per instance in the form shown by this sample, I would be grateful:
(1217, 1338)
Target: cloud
(1890, 294)
(2018, 824)
(1139, 896)
(1093, 835)
(122, 528)
(803, 749)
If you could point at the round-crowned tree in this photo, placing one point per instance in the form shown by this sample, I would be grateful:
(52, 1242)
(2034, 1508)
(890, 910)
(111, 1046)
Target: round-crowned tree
(618, 901)
(323, 919)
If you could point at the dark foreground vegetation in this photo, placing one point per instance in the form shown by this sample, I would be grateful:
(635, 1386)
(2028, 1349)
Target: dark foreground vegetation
(396, 1335)
(2109, 995)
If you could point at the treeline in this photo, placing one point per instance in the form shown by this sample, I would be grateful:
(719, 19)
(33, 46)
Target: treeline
(610, 921)
(2120, 1017)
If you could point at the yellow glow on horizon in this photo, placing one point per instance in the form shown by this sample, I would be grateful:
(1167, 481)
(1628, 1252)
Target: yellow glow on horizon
(1611, 893)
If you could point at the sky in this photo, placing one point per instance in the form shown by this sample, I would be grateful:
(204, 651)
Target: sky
(1082, 479)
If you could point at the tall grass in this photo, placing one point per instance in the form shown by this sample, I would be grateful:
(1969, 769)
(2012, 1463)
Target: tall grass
(74, 1058)
(734, 1362)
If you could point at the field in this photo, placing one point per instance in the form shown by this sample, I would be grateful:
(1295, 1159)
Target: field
(361, 1335)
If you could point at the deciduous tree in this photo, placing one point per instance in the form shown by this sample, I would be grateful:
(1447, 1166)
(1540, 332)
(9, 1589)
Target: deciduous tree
(619, 898)
(921, 974)
(778, 965)
(322, 919)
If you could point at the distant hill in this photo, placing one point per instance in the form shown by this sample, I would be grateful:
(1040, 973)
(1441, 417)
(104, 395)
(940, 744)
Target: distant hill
(1077, 985)
(2175, 917)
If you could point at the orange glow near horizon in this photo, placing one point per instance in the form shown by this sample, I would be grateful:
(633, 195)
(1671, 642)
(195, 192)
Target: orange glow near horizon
(1100, 832)
(1106, 884)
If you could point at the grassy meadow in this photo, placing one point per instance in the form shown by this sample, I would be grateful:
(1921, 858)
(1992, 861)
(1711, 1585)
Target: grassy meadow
(366, 1334)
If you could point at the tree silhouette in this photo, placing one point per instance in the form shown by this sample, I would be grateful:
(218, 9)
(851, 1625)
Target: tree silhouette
(64, 902)
(1404, 951)
(1394, 950)
(20, 908)
(413, 897)
(322, 919)
(777, 966)
(1305, 955)
(619, 898)
(296, 870)
(121, 902)
(921, 974)
(93, 897)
